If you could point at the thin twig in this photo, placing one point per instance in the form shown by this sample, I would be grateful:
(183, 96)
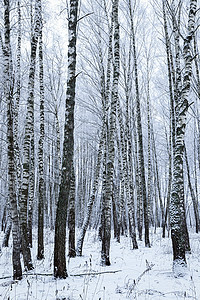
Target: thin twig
(51, 274)
(84, 16)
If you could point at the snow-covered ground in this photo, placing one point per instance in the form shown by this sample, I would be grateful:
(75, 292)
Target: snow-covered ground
(133, 274)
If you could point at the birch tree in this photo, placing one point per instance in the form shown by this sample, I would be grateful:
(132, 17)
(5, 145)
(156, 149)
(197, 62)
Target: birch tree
(16, 129)
(71, 216)
(139, 132)
(68, 148)
(171, 84)
(27, 193)
(108, 192)
(192, 193)
(126, 145)
(177, 193)
(40, 253)
(9, 86)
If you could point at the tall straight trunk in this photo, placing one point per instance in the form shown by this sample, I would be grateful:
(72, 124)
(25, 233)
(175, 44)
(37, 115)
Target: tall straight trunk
(131, 206)
(196, 61)
(156, 215)
(177, 220)
(40, 252)
(198, 143)
(121, 184)
(149, 178)
(106, 210)
(116, 197)
(28, 173)
(29, 133)
(6, 237)
(57, 168)
(115, 217)
(177, 49)
(158, 178)
(176, 22)
(197, 90)
(68, 148)
(127, 152)
(8, 226)
(169, 181)
(194, 201)
(15, 129)
(3, 220)
(140, 135)
(138, 188)
(170, 80)
(171, 83)
(71, 216)
(122, 169)
(104, 235)
(79, 207)
(129, 174)
(17, 102)
(9, 85)
(195, 172)
(17, 270)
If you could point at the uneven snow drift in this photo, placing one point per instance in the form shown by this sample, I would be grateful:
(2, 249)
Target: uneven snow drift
(134, 274)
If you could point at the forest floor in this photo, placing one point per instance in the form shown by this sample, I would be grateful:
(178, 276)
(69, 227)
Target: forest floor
(140, 274)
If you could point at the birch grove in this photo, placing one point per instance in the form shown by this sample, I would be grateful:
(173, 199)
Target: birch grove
(99, 127)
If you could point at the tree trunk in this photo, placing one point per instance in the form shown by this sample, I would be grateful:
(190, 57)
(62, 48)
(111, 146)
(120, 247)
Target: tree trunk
(40, 252)
(194, 201)
(140, 136)
(129, 174)
(172, 138)
(105, 228)
(177, 219)
(71, 216)
(3, 220)
(68, 149)
(26, 200)
(8, 229)
(110, 143)
(115, 218)
(127, 151)
(138, 188)
(158, 180)
(30, 134)
(17, 102)
(169, 181)
(9, 82)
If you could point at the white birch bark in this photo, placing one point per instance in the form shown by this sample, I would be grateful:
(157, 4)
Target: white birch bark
(177, 194)
(27, 194)
(9, 86)
(139, 133)
(40, 251)
(107, 199)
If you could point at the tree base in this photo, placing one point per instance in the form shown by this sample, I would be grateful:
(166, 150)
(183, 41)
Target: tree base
(105, 261)
(40, 257)
(72, 254)
(179, 268)
(60, 275)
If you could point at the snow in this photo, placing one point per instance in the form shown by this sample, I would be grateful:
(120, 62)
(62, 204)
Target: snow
(140, 274)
